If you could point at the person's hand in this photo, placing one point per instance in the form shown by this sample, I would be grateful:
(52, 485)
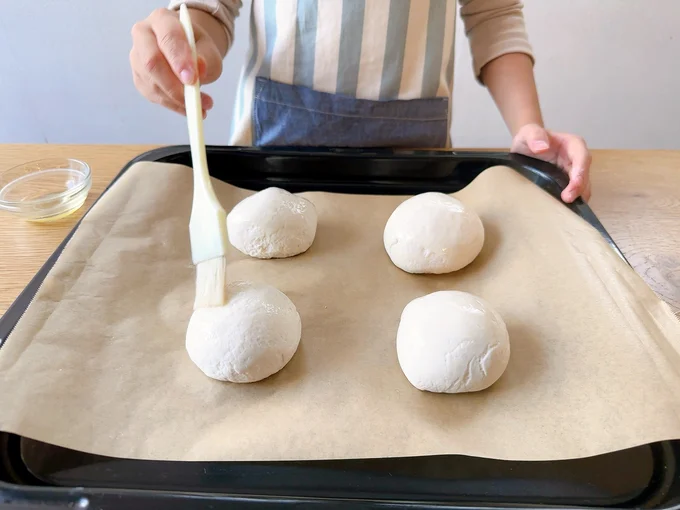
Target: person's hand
(162, 62)
(565, 150)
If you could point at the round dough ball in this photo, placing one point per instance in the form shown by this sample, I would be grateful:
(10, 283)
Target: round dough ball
(452, 342)
(272, 224)
(433, 233)
(250, 338)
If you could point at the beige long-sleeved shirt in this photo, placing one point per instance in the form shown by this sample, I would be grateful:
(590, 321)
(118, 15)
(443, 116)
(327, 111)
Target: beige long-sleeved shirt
(373, 50)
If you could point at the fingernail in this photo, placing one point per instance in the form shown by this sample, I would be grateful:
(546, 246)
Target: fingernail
(539, 145)
(186, 76)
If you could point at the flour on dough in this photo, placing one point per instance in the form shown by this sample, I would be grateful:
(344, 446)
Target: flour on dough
(433, 233)
(250, 338)
(452, 342)
(272, 224)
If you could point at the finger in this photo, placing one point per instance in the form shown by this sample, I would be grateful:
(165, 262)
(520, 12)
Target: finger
(206, 101)
(588, 192)
(142, 85)
(170, 105)
(580, 159)
(536, 138)
(150, 89)
(209, 60)
(173, 44)
(174, 91)
(152, 92)
(148, 60)
(576, 186)
(578, 153)
(200, 61)
(156, 95)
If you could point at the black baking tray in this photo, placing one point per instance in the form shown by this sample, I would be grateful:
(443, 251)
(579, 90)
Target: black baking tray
(38, 475)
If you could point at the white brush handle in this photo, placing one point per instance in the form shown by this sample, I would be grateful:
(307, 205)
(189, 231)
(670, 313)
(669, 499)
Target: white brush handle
(207, 226)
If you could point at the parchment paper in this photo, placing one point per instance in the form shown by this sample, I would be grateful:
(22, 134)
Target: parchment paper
(98, 361)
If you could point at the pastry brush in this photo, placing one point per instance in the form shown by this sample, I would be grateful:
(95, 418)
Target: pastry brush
(208, 222)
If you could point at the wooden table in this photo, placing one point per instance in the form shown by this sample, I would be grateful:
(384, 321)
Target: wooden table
(636, 195)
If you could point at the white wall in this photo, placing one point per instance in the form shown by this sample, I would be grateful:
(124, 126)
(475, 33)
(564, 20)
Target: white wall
(65, 76)
(609, 70)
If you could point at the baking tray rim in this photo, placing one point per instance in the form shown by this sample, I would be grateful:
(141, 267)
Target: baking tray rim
(167, 154)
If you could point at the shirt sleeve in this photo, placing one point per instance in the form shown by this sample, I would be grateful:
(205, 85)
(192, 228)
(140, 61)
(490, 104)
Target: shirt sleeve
(494, 28)
(225, 11)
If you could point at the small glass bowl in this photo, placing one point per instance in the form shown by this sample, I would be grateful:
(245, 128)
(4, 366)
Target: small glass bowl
(45, 190)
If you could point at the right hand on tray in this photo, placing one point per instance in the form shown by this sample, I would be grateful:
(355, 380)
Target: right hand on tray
(161, 57)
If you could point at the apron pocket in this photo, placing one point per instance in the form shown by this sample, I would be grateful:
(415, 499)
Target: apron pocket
(291, 115)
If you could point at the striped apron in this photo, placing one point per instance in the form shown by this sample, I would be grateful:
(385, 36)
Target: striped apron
(351, 73)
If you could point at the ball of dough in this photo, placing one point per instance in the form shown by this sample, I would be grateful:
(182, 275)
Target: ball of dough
(250, 338)
(433, 233)
(452, 342)
(272, 224)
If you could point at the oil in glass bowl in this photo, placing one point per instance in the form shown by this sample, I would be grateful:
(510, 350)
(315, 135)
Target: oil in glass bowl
(45, 190)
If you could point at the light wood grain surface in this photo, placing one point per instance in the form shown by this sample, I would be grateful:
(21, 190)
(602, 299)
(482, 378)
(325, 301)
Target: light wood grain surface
(636, 195)
(24, 246)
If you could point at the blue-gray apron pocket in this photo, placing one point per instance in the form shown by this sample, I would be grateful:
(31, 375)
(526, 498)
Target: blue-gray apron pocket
(298, 116)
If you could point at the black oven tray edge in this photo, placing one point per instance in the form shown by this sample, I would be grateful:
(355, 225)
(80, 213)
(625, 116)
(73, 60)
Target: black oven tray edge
(31, 492)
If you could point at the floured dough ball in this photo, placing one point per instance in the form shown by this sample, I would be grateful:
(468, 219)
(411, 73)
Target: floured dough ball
(433, 233)
(272, 224)
(250, 338)
(452, 342)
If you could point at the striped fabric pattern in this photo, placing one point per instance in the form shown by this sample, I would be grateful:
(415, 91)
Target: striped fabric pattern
(367, 49)
(375, 49)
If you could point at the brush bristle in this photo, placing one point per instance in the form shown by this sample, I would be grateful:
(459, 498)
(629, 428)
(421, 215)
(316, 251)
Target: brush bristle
(211, 283)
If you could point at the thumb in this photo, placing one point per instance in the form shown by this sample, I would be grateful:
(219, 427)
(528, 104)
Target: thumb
(209, 61)
(536, 138)
(575, 187)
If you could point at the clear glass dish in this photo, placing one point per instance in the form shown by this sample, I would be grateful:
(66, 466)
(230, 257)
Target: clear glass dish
(45, 190)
